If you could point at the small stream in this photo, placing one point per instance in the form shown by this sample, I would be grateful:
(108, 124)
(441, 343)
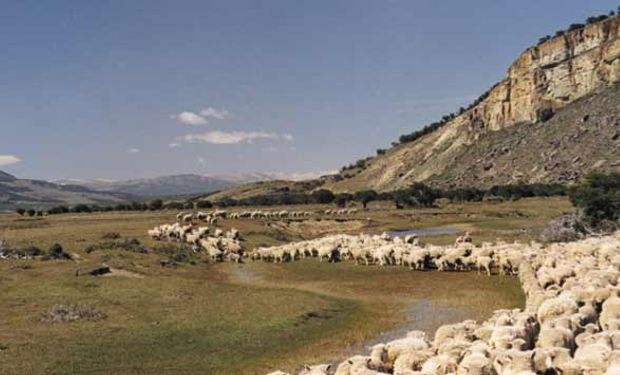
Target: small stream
(425, 232)
(425, 316)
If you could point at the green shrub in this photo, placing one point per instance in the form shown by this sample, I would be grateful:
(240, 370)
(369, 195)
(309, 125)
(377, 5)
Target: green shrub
(56, 252)
(598, 200)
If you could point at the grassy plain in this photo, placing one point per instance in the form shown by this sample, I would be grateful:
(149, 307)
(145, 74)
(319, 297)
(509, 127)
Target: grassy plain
(204, 318)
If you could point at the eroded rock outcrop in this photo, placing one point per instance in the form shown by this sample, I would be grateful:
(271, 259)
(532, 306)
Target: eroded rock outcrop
(544, 79)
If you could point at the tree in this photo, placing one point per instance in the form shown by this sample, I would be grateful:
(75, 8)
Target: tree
(81, 208)
(204, 204)
(156, 205)
(31, 212)
(417, 195)
(323, 196)
(174, 206)
(365, 197)
(341, 199)
(598, 199)
(20, 211)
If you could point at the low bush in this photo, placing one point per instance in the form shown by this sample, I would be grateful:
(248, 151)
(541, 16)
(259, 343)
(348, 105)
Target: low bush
(181, 253)
(132, 245)
(56, 252)
(566, 228)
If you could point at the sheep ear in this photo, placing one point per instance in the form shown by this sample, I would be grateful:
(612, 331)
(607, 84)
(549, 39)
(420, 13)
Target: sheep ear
(307, 367)
(328, 367)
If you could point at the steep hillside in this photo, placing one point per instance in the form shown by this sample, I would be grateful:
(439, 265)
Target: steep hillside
(22, 192)
(183, 184)
(264, 188)
(584, 61)
(581, 138)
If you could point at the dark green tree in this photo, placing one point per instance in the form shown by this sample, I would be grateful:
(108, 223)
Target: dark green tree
(204, 204)
(156, 204)
(323, 196)
(365, 197)
(342, 199)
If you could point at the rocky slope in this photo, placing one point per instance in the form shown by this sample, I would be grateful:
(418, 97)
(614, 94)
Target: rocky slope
(543, 80)
(23, 192)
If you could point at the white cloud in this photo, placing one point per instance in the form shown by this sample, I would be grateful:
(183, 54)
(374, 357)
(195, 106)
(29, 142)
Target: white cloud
(173, 144)
(202, 161)
(219, 114)
(8, 160)
(200, 118)
(278, 148)
(190, 118)
(134, 150)
(232, 137)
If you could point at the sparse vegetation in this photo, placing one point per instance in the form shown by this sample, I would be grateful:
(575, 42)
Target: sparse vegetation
(72, 313)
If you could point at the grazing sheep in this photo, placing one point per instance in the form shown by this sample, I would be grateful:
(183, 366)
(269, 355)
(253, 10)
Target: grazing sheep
(315, 370)
(570, 324)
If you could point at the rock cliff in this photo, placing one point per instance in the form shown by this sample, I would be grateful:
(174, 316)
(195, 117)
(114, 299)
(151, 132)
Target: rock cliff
(544, 79)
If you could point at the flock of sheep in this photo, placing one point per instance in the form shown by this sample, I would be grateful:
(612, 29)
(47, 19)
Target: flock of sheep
(259, 214)
(212, 216)
(570, 324)
(219, 245)
(385, 250)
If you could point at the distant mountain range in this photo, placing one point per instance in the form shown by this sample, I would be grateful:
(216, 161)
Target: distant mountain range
(15, 192)
(164, 186)
(181, 184)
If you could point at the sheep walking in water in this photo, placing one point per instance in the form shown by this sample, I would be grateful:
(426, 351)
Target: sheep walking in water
(570, 323)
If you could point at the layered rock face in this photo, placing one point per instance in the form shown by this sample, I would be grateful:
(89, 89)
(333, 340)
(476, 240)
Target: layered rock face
(541, 81)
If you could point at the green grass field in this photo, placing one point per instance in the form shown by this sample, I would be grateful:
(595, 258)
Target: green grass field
(227, 318)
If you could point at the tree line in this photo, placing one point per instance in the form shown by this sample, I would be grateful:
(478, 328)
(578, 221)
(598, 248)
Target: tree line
(417, 195)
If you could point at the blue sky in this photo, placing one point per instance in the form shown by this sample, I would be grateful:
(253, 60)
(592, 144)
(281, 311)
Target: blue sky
(125, 89)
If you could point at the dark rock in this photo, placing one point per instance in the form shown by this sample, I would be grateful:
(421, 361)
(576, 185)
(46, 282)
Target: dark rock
(100, 271)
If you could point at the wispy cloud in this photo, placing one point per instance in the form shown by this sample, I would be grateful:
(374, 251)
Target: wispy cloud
(174, 144)
(8, 160)
(202, 117)
(219, 114)
(278, 148)
(232, 137)
(134, 150)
